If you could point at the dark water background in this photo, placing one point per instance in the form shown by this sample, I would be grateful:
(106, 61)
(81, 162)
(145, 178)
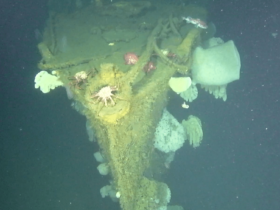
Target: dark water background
(46, 160)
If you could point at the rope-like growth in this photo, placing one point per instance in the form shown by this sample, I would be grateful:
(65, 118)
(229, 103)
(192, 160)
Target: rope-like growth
(180, 68)
(145, 57)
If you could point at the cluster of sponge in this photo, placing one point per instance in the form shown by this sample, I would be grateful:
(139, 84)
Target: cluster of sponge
(194, 130)
(46, 81)
(170, 135)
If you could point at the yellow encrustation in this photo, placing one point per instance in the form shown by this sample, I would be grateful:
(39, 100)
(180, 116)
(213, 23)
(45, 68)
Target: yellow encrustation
(125, 132)
(125, 129)
(185, 48)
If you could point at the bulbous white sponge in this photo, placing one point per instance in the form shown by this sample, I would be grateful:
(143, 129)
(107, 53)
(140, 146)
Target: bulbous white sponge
(170, 135)
(46, 81)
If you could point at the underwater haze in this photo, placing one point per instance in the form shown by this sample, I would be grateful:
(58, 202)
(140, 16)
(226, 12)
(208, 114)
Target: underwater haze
(46, 149)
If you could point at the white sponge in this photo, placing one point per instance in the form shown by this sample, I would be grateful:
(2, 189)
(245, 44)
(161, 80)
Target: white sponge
(180, 84)
(46, 81)
(108, 190)
(170, 135)
(103, 169)
(98, 157)
(216, 66)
